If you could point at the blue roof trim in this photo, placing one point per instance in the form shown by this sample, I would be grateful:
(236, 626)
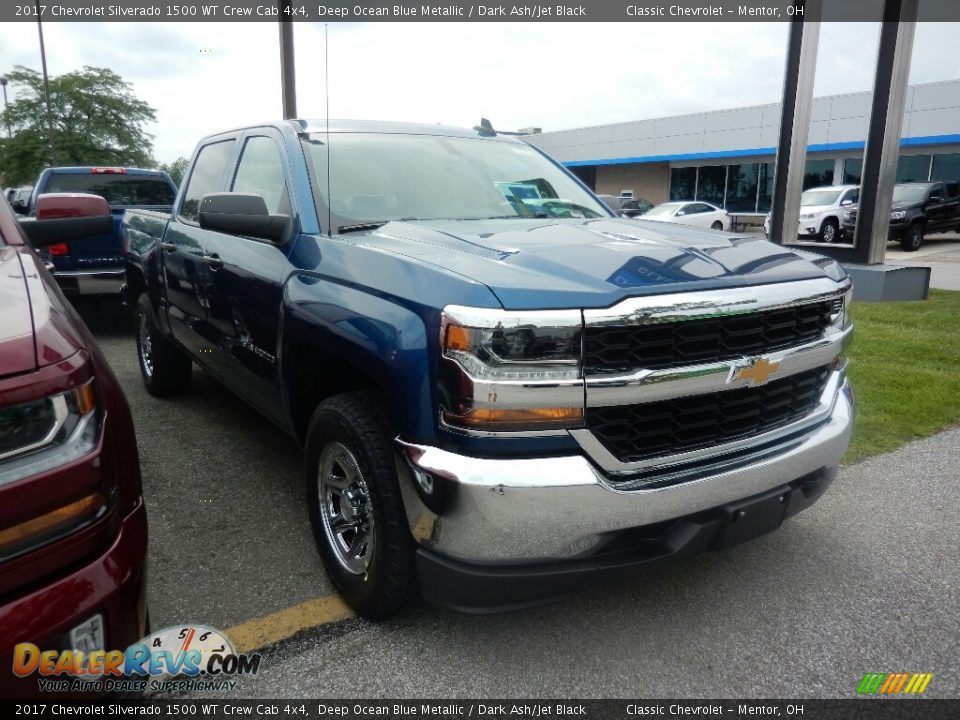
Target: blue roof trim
(750, 152)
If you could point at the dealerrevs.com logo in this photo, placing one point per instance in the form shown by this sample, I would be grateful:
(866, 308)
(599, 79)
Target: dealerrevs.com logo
(187, 657)
(902, 683)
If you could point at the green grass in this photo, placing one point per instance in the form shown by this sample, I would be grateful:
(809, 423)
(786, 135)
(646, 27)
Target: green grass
(905, 371)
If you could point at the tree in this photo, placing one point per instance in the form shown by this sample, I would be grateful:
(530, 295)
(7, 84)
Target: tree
(176, 169)
(96, 120)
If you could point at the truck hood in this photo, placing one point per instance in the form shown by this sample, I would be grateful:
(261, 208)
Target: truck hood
(532, 264)
(17, 346)
(34, 329)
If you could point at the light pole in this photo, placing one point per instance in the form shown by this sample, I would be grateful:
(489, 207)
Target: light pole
(288, 81)
(51, 146)
(4, 81)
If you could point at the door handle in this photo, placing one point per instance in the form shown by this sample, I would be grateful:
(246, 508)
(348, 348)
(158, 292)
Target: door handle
(213, 261)
(169, 247)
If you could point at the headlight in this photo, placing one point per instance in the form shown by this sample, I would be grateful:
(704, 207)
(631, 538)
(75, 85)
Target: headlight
(510, 371)
(898, 214)
(840, 316)
(848, 216)
(41, 434)
(807, 216)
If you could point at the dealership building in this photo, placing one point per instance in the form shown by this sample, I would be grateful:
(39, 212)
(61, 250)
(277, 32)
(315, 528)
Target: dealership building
(726, 157)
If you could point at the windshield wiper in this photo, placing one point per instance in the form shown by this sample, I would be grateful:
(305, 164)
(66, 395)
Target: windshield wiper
(373, 224)
(360, 227)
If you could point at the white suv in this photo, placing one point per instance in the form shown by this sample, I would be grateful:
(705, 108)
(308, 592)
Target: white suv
(821, 212)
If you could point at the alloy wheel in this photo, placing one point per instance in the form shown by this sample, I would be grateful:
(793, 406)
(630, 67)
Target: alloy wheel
(346, 508)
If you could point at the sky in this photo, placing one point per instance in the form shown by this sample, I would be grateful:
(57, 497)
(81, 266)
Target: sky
(206, 77)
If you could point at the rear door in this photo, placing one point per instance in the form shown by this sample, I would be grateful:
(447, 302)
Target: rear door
(937, 210)
(184, 250)
(245, 280)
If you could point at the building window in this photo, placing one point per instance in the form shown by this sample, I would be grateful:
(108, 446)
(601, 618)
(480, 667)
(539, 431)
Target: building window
(711, 184)
(683, 183)
(818, 173)
(765, 188)
(913, 168)
(946, 167)
(852, 171)
(742, 188)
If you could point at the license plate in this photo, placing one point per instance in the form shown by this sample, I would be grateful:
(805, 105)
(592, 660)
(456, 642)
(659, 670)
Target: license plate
(88, 635)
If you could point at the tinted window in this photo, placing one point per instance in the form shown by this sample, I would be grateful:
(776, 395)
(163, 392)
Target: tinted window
(852, 196)
(261, 171)
(115, 189)
(818, 173)
(683, 183)
(936, 194)
(913, 168)
(852, 170)
(946, 167)
(765, 191)
(205, 176)
(742, 183)
(711, 182)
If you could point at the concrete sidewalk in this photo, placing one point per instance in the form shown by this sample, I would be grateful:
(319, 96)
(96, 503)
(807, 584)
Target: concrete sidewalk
(941, 253)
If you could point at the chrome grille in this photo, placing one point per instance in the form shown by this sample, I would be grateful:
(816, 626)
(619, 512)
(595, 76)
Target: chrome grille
(645, 430)
(623, 348)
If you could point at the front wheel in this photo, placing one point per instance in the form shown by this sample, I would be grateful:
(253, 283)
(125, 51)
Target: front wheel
(829, 231)
(356, 512)
(912, 241)
(163, 366)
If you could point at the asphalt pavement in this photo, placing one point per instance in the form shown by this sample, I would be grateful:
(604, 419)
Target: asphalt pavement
(867, 580)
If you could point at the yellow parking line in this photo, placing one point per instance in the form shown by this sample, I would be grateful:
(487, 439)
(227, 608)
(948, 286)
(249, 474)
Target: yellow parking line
(266, 630)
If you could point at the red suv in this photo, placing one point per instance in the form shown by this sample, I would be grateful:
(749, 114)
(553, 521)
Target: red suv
(73, 529)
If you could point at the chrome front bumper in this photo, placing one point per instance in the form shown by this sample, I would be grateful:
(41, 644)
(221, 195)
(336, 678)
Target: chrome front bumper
(520, 511)
(90, 282)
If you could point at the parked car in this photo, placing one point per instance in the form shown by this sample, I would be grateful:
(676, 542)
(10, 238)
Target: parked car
(500, 401)
(74, 531)
(917, 209)
(698, 214)
(820, 213)
(635, 207)
(612, 201)
(94, 265)
(20, 201)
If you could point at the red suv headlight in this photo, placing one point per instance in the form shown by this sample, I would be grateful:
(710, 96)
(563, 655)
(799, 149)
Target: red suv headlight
(45, 433)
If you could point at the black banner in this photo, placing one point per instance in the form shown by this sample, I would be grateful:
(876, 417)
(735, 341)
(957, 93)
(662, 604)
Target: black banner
(639, 11)
(882, 708)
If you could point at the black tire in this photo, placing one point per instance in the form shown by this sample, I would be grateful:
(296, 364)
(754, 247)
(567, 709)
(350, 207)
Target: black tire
(913, 238)
(165, 369)
(380, 581)
(717, 225)
(830, 231)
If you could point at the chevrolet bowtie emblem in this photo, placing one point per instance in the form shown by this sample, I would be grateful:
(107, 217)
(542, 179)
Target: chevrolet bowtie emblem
(756, 373)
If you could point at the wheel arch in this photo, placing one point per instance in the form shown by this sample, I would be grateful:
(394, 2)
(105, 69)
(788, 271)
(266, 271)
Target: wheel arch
(338, 339)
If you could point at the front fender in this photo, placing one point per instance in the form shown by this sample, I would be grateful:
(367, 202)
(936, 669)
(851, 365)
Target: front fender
(371, 334)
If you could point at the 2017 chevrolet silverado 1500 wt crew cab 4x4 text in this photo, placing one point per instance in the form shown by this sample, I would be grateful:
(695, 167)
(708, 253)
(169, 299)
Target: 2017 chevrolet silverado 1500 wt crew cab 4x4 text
(504, 391)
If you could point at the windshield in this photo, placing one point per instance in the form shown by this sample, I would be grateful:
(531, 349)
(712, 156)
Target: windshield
(115, 189)
(377, 178)
(661, 210)
(909, 193)
(819, 197)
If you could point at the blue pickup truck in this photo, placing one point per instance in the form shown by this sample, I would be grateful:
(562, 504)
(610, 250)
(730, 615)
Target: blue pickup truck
(504, 392)
(94, 265)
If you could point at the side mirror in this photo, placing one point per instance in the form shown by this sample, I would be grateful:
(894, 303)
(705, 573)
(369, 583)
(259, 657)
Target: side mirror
(243, 214)
(62, 217)
(19, 207)
(846, 202)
